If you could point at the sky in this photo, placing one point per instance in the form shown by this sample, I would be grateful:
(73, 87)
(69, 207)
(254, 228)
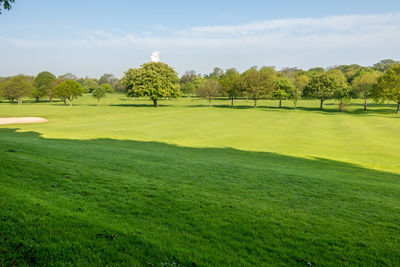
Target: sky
(93, 37)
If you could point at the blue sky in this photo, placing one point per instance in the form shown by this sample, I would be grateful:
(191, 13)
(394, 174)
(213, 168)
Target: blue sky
(95, 37)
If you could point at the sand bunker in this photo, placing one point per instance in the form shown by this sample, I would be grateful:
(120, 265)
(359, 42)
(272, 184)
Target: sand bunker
(22, 120)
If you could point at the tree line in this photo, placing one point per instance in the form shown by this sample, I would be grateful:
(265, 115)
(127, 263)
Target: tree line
(157, 80)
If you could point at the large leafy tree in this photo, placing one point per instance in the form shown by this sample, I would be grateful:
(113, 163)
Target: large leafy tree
(343, 97)
(154, 80)
(68, 90)
(282, 90)
(363, 84)
(301, 81)
(323, 86)
(210, 89)
(90, 85)
(388, 86)
(258, 84)
(17, 87)
(43, 85)
(6, 4)
(231, 83)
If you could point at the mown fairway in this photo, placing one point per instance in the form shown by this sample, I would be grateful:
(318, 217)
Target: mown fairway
(184, 184)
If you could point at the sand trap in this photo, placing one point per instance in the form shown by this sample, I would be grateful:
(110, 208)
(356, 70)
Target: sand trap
(22, 120)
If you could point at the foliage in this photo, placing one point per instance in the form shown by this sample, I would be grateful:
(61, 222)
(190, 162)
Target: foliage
(258, 84)
(6, 4)
(363, 84)
(101, 91)
(90, 85)
(16, 87)
(154, 80)
(343, 96)
(43, 85)
(68, 90)
(295, 96)
(282, 89)
(301, 82)
(210, 89)
(231, 83)
(388, 86)
(385, 64)
(68, 76)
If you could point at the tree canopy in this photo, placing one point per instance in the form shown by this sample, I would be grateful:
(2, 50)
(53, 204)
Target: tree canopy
(68, 90)
(209, 90)
(154, 80)
(43, 84)
(16, 87)
(231, 83)
(6, 4)
(388, 86)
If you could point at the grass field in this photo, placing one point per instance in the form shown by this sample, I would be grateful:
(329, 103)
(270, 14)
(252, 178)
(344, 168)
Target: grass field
(184, 184)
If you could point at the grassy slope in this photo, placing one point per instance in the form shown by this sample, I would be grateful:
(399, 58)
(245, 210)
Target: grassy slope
(187, 184)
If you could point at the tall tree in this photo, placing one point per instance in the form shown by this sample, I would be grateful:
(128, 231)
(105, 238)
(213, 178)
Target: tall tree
(231, 83)
(6, 4)
(43, 85)
(364, 83)
(17, 87)
(301, 81)
(90, 85)
(211, 88)
(388, 86)
(68, 90)
(154, 80)
(342, 96)
(385, 64)
(258, 84)
(295, 96)
(282, 90)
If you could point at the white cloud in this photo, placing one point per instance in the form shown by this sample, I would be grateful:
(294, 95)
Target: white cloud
(155, 56)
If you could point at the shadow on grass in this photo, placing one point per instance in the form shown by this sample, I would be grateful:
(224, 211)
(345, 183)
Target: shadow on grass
(132, 203)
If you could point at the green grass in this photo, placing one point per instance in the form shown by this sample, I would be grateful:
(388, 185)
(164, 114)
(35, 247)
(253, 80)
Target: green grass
(129, 184)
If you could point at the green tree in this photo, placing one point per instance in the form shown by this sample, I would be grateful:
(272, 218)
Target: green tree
(388, 86)
(343, 97)
(101, 91)
(258, 84)
(154, 80)
(17, 87)
(68, 90)
(6, 4)
(323, 86)
(231, 83)
(211, 88)
(295, 96)
(385, 64)
(43, 85)
(282, 90)
(301, 81)
(90, 85)
(364, 83)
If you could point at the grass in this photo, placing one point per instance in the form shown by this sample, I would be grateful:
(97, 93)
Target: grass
(183, 184)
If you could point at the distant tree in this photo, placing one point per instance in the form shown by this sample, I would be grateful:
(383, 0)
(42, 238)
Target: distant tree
(295, 96)
(258, 84)
(231, 83)
(388, 86)
(323, 86)
(68, 90)
(190, 88)
(211, 88)
(385, 64)
(43, 85)
(17, 87)
(101, 91)
(282, 90)
(154, 80)
(188, 76)
(6, 4)
(343, 97)
(216, 74)
(364, 83)
(68, 76)
(90, 85)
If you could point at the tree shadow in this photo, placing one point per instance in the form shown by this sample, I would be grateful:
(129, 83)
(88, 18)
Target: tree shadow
(251, 205)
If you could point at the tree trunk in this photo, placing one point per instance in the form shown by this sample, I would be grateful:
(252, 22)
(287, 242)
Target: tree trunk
(322, 102)
(50, 99)
(65, 102)
(19, 101)
(155, 104)
(98, 102)
(70, 103)
(398, 107)
(295, 104)
(365, 104)
(37, 99)
(232, 102)
(255, 103)
(209, 103)
(280, 103)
